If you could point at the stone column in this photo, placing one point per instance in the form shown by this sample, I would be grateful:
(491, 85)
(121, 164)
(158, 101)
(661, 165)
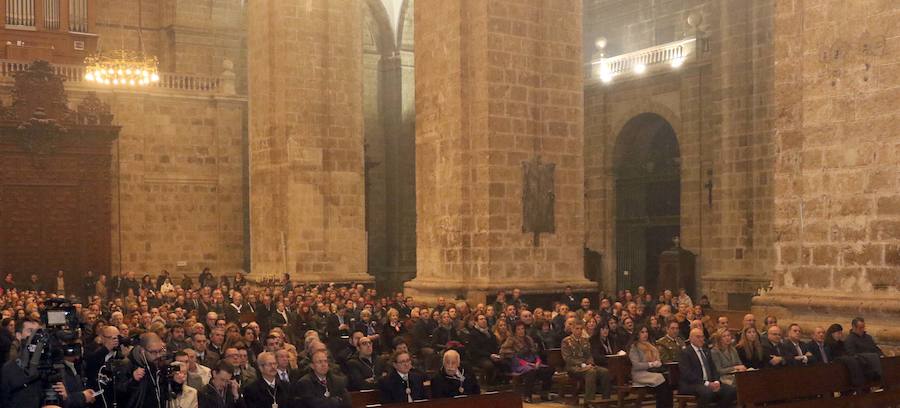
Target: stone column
(498, 83)
(837, 205)
(306, 140)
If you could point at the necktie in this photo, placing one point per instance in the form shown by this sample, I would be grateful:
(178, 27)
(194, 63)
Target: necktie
(284, 376)
(822, 351)
(702, 356)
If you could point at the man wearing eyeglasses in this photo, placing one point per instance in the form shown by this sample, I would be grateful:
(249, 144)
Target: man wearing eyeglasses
(402, 384)
(145, 388)
(268, 391)
(361, 367)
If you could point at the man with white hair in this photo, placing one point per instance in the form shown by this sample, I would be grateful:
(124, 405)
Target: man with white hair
(267, 391)
(453, 380)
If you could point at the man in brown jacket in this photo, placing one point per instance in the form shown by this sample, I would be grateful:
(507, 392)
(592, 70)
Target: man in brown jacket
(576, 352)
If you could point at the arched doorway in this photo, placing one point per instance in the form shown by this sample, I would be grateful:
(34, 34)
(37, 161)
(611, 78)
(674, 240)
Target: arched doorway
(648, 198)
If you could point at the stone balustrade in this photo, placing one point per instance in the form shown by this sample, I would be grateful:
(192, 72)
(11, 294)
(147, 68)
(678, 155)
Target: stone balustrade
(168, 82)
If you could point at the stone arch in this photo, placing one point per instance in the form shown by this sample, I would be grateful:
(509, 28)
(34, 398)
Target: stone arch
(378, 25)
(648, 106)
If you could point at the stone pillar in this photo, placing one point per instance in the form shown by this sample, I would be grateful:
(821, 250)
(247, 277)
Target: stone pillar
(306, 140)
(837, 205)
(498, 83)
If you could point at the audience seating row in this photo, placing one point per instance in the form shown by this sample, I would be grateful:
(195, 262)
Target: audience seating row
(813, 386)
(507, 399)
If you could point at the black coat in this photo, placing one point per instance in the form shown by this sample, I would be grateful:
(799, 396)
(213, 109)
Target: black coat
(208, 397)
(819, 355)
(691, 370)
(444, 386)
(313, 393)
(481, 345)
(791, 352)
(358, 371)
(258, 394)
(771, 350)
(12, 394)
(392, 388)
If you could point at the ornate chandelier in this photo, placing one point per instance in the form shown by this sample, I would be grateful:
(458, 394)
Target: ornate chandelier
(122, 68)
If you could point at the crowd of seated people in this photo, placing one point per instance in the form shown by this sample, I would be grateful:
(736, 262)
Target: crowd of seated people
(309, 345)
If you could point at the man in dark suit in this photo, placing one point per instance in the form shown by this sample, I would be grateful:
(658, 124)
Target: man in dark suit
(401, 384)
(322, 389)
(221, 391)
(205, 356)
(699, 376)
(796, 350)
(821, 352)
(361, 367)
(268, 391)
(569, 299)
(285, 372)
(773, 348)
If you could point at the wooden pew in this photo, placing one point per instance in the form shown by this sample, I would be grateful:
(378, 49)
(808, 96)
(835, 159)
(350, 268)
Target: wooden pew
(359, 399)
(569, 385)
(814, 386)
(620, 369)
(507, 399)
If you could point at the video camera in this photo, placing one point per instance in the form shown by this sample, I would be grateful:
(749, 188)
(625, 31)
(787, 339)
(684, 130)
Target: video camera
(44, 352)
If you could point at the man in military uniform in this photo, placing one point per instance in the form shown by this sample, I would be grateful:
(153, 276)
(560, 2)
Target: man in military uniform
(671, 344)
(576, 352)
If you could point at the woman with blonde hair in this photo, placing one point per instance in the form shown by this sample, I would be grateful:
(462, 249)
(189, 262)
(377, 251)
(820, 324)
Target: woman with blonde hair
(725, 356)
(646, 368)
(501, 330)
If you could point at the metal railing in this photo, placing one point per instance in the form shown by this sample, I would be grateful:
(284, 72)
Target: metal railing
(74, 74)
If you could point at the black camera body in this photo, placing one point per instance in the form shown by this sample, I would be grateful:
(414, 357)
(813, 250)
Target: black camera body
(45, 351)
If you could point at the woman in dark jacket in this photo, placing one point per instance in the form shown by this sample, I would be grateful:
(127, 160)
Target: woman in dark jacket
(452, 380)
(602, 344)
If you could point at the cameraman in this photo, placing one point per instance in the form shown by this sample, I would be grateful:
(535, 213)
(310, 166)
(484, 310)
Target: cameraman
(74, 394)
(18, 388)
(24, 389)
(145, 388)
(108, 350)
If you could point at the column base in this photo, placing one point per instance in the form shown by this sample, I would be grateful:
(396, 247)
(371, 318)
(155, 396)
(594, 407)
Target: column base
(813, 308)
(428, 291)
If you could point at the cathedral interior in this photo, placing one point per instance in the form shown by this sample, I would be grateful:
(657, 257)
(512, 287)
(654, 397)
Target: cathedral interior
(744, 150)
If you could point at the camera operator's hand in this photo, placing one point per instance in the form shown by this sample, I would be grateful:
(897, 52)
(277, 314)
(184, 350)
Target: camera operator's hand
(89, 396)
(60, 389)
(139, 374)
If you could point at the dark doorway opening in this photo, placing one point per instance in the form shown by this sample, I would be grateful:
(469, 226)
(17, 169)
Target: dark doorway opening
(648, 199)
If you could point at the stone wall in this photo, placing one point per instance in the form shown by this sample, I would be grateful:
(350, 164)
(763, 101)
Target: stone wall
(306, 140)
(837, 169)
(498, 83)
(178, 204)
(720, 107)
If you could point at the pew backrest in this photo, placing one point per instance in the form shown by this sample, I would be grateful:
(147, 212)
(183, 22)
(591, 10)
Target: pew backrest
(506, 399)
(760, 387)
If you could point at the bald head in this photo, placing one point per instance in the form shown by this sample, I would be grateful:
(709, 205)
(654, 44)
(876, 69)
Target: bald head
(697, 338)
